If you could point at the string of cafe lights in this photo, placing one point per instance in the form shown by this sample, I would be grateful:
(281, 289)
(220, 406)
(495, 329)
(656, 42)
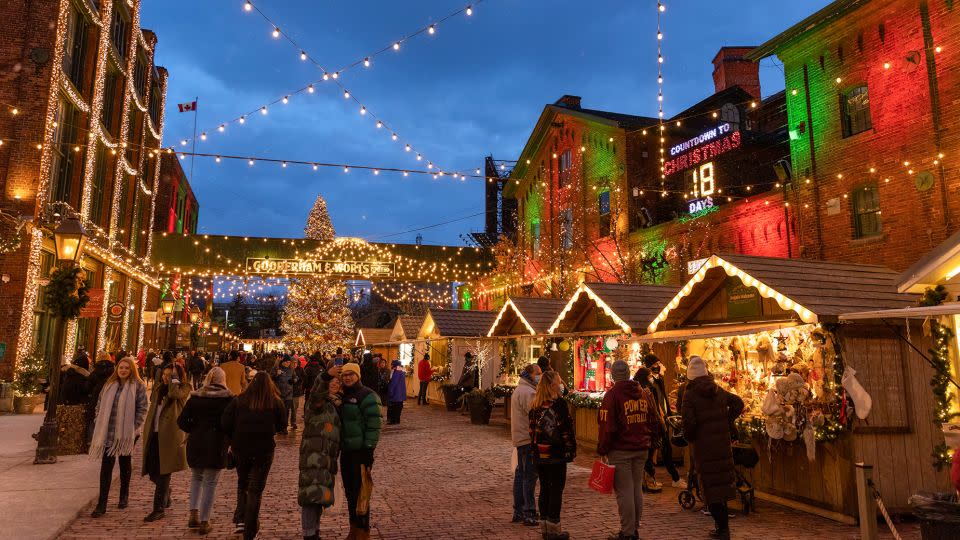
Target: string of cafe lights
(661, 8)
(334, 76)
(421, 293)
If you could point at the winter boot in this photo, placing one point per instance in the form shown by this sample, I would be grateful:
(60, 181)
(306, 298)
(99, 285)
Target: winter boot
(157, 514)
(363, 534)
(205, 528)
(124, 493)
(100, 510)
(315, 536)
(558, 532)
(194, 521)
(353, 532)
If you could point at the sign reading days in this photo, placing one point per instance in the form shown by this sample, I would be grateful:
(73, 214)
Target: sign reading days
(320, 268)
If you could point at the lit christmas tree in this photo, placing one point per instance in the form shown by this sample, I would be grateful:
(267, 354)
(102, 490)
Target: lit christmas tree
(317, 316)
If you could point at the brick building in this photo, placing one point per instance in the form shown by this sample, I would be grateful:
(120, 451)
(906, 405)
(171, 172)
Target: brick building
(82, 120)
(873, 102)
(177, 208)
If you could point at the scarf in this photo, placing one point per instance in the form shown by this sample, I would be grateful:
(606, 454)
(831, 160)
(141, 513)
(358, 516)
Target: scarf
(124, 432)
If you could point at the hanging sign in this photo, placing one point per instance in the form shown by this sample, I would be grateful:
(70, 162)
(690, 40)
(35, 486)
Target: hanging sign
(743, 302)
(94, 306)
(148, 317)
(115, 312)
(320, 267)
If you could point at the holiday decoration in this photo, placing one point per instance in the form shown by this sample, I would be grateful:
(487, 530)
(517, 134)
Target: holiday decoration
(317, 315)
(66, 294)
(940, 382)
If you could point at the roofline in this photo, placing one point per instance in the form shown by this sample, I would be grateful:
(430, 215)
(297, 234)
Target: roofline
(585, 289)
(938, 256)
(831, 11)
(509, 304)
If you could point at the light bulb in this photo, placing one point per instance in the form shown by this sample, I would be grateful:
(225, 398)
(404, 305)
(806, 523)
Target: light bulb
(346, 95)
(478, 170)
(419, 157)
(315, 166)
(310, 88)
(376, 171)
(303, 55)
(276, 32)
(243, 119)
(469, 10)
(660, 79)
(660, 58)
(15, 111)
(346, 169)
(221, 128)
(659, 35)
(263, 110)
(217, 159)
(407, 147)
(366, 62)
(326, 76)
(662, 7)
(405, 173)
(183, 142)
(247, 6)
(336, 74)
(430, 165)
(203, 136)
(886, 65)
(363, 110)
(394, 136)
(379, 124)
(285, 100)
(250, 162)
(432, 29)
(396, 46)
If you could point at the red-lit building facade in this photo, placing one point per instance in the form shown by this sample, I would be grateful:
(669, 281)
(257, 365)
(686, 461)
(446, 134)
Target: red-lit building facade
(873, 100)
(177, 207)
(81, 118)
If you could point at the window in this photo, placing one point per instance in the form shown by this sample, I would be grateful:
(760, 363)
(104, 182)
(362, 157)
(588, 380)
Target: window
(535, 237)
(565, 166)
(603, 204)
(155, 100)
(855, 111)
(119, 26)
(75, 48)
(99, 200)
(567, 240)
(64, 160)
(140, 75)
(866, 211)
(111, 86)
(181, 208)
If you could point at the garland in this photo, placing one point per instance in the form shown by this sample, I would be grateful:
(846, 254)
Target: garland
(12, 243)
(584, 400)
(502, 390)
(940, 382)
(66, 294)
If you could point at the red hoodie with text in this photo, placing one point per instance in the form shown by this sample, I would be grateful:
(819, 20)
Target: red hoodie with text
(627, 418)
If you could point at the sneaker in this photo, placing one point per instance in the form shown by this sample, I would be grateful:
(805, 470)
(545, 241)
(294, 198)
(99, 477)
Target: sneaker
(681, 484)
(238, 530)
(531, 522)
(154, 516)
(99, 511)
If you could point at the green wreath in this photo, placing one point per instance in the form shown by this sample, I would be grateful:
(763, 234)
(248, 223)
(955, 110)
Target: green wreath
(66, 294)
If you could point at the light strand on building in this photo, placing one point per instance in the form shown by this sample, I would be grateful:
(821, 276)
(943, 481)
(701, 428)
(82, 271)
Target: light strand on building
(661, 8)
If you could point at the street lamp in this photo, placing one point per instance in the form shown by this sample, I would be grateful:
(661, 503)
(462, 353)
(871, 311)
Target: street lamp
(69, 239)
(194, 314)
(167, 305)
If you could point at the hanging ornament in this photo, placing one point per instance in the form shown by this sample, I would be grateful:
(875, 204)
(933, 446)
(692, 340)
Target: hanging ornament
(612, 344)
(564, 346)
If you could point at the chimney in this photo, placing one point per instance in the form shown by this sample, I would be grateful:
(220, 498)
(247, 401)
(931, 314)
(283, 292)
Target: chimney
(568, 101)
(732, 68)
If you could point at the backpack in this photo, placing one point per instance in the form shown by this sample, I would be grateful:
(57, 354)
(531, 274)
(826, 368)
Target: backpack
(548, 428)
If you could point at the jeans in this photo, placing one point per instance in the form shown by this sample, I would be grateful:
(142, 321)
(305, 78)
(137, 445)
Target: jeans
(350, 462)
(628, 485)
(290, 414)
(553, 477)
(297, 407)
(251, 479)
(525, 484)
(310, 518)
(720, 515)
(203, 489)
(422, 396)
(666, 453)
(106, 478)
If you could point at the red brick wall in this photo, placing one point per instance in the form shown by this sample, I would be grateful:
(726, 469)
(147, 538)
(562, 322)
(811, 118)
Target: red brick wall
(854, 49)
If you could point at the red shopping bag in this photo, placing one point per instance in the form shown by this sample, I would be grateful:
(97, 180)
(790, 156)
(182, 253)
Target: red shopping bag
(601, 478)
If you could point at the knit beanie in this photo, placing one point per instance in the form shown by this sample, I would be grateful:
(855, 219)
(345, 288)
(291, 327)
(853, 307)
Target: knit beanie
(350, 368)
(216, 376)
(395, 363)
(620, 371)
(696, 368)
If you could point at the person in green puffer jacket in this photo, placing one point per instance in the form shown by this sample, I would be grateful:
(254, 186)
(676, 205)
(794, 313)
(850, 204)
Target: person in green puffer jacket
(360, 414)
(319, 450)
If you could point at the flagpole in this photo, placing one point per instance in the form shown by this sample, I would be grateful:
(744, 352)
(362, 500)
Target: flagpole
(196, 104)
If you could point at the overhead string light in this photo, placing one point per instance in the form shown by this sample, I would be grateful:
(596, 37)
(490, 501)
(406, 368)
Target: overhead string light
(365, 60)
(660, 127)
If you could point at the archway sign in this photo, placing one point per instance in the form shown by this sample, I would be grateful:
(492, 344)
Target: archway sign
(345, 258)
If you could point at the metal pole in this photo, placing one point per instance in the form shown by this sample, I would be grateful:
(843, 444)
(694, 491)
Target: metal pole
(48, 437)
(865, 502)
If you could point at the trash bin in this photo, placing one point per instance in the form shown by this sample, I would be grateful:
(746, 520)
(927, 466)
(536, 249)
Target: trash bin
(939, 515)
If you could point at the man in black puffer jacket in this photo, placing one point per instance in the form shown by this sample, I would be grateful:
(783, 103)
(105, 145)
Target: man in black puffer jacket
(708, 412)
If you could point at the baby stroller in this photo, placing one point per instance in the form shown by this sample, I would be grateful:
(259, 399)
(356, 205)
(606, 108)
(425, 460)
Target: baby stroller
(744, 457)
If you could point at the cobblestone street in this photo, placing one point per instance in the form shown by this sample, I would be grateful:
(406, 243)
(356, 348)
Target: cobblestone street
(437, 476)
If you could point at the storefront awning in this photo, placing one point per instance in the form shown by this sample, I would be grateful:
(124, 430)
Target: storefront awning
(525, 317)
(714, 331)
(603, 307)
(918, 312)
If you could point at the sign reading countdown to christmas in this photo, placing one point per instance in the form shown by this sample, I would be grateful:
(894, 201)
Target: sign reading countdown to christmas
(320, 267)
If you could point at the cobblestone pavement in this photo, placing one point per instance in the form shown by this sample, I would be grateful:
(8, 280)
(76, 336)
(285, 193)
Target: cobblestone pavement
(437, 476)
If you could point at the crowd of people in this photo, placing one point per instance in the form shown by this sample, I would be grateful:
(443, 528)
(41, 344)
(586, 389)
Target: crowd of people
(210, 413)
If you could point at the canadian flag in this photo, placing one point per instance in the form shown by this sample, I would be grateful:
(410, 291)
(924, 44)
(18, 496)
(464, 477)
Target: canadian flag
(187, 107)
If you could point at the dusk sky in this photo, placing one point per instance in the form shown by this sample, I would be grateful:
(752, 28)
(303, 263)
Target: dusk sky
(474, 88)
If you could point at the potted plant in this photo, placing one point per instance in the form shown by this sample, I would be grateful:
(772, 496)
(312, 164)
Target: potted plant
(480, 402)
(451, 396)
(27, 384)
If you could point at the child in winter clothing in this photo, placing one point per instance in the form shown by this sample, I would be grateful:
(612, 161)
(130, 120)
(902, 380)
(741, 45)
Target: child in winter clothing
(396, 393)
(319, 450)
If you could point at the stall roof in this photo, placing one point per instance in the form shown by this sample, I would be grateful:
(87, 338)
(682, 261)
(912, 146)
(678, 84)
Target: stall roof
(407, 327)
(536, 315)
(631, 307)
(456, 323)
(373, 336)
(940, 266)
(916, 312)
(818, 291)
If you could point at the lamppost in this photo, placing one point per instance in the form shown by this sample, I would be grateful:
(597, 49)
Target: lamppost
(167, 306)
(215, 329)
(69, 239)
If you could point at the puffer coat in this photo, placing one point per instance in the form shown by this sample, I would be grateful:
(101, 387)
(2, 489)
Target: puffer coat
(708, 412)
(319, 448)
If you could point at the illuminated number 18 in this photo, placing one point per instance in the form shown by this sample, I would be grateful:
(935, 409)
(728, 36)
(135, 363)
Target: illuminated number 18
(703, 182)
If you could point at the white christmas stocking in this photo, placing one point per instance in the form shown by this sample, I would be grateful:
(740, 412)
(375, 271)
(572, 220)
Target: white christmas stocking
(810, 442)
(861, 399)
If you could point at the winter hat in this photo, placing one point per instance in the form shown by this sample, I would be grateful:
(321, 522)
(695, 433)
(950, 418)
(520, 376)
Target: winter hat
(395, 363)
(649, 360)
(620, 371)
(696, 368)
(216, 376)
(350, 368)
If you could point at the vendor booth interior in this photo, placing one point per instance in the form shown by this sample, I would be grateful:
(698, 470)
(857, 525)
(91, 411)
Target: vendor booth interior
(521, 330)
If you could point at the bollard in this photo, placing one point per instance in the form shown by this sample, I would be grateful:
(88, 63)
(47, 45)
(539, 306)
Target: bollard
(866, 504)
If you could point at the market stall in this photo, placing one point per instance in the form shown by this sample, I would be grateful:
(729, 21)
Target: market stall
(409, 349)
(376, 340)
(596, 323)
(448, 334)
(819, 395)
(521, 332)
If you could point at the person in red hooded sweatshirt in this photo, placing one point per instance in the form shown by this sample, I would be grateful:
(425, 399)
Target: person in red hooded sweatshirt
(628, 424)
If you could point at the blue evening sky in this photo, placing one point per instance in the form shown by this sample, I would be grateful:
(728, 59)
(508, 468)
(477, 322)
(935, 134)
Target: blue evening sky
(474, 88)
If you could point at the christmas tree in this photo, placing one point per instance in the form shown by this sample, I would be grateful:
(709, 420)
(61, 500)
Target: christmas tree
(317, 316)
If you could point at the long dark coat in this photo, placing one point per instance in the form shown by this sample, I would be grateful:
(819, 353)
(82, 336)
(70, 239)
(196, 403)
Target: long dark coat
(708, 412)
(319, 448)
(200, 420)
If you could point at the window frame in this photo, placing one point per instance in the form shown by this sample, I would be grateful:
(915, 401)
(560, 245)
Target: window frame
(855, 120)
(859, 211)
(120, 24)
(604, 219)
(64, 161)
(75, 47)
(565, 167)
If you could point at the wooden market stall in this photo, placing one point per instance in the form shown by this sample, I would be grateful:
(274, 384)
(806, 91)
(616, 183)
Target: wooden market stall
(769, 330)
(376, 340)
(409, 349)
(521, 331)
(596, 323)
(448, 334)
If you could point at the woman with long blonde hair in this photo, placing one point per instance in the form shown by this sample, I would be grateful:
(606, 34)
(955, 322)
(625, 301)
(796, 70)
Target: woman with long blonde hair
(555, 445)
(121, 409)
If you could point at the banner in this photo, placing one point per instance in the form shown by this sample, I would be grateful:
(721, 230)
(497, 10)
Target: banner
(94, 307)
(320, 267)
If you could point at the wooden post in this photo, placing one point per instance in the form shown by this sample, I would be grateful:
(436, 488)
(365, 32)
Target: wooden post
(866, 504)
